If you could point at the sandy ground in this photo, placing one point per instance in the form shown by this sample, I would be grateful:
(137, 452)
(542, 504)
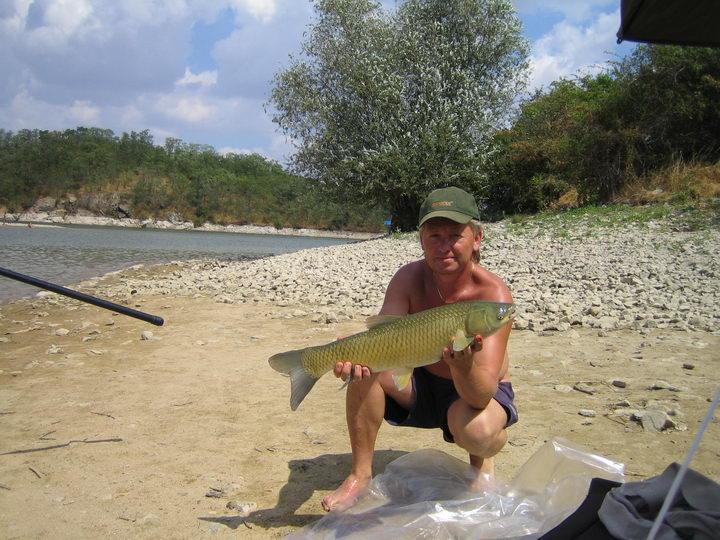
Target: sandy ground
(126, 437)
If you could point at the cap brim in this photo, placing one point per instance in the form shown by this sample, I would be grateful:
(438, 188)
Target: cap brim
(447, 214)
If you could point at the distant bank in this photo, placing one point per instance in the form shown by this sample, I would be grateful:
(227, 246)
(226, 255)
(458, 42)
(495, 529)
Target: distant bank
(47, 218)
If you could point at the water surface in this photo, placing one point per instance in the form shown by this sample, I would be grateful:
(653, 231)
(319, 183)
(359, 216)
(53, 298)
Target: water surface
(71, 253)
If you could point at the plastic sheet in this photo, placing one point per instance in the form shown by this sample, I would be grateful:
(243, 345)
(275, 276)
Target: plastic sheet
(425, 494)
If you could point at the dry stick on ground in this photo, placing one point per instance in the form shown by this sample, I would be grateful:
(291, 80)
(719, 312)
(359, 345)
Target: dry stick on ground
(35, 472)
(45, 437)
(86, 441)
(103, 414)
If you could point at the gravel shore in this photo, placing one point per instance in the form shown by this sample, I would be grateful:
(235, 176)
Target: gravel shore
(113, 429)
(634, 276)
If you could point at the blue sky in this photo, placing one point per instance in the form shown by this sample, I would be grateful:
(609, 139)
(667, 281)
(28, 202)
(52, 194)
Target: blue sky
(201, 70)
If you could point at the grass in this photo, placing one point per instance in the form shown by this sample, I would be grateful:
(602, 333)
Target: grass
(587, 220)
(681, 197)
(679, 183)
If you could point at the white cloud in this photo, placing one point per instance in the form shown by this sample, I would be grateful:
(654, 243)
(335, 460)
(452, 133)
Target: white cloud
(569, 49)
(84, 113)
(247, 60)
(204, 78)
(574, 10)
(262, 10)
(225, 150)
(191, 109)
(27, 112)
(67, 16)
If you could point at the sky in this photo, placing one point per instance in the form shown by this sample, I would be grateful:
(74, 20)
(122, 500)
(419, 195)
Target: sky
(202, 70)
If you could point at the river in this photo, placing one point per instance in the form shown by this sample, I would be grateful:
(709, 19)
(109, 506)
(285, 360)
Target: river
(70, 253)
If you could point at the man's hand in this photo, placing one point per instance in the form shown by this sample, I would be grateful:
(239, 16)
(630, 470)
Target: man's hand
(347, 371)
(462, 359)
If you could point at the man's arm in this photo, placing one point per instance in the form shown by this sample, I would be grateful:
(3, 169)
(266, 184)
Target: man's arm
(477, 369)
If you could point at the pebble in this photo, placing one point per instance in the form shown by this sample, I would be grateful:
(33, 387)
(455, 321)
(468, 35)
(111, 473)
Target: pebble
(688, 366)
(653, 420)
(589, 288)
(146, 335)
(589, 413)
(243, 508)
(54, 349)
(584, 388)
(148, 521)
(62, 332)
(564, 388)
(618, 383)
(664, 385)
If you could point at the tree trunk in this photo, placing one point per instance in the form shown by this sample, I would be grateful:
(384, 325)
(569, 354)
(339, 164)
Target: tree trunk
(405, 213)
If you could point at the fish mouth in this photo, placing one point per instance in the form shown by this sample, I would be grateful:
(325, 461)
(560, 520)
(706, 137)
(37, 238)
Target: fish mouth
(506, 312)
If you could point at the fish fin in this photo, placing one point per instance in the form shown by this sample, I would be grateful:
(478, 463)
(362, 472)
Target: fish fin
(350, 377)
(401, 377)
(380, 320)
(461, 341)
(301, 382)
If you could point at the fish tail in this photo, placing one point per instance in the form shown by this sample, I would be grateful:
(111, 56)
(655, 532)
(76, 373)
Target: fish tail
(301, 382)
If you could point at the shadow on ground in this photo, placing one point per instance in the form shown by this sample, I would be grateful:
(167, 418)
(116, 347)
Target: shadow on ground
(322, 473)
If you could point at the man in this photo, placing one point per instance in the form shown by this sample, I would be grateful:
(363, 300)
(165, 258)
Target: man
(465, 393)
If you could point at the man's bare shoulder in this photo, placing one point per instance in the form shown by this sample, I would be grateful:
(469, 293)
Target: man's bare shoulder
(492, 286)
(400, 296)
(408, 277)
(410, 270)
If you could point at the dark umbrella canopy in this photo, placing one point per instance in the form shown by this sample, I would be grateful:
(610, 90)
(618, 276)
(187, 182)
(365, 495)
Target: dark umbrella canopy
(671, 22)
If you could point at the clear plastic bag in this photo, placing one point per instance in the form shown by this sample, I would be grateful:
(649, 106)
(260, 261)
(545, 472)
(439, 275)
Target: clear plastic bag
(425, 494)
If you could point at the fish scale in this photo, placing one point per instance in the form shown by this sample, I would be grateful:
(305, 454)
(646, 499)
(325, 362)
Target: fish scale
(388, 346)
(400, 343)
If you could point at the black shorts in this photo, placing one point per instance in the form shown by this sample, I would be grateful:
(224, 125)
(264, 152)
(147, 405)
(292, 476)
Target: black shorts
(433, 397)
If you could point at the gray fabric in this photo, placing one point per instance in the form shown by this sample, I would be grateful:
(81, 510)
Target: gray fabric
(628, 511)
(672, 22)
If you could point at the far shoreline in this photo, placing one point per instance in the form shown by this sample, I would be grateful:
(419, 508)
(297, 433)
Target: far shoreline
(47, 220)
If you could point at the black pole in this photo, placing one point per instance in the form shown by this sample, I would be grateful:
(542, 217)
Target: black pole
(106, 304)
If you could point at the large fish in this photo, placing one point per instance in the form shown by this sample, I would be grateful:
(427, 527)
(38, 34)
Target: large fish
(398, 343)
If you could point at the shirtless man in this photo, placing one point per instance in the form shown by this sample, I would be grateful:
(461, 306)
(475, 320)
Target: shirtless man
(466, 393)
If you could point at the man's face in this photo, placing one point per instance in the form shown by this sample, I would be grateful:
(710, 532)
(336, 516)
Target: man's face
(448, 246)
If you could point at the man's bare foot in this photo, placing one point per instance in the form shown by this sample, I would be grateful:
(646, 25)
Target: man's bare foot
(346, 495)
(482, 473)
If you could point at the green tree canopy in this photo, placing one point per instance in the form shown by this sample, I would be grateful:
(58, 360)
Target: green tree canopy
(598, 132)
(387, 106)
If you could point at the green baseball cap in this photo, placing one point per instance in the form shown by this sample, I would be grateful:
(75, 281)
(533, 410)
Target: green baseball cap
(451, 203)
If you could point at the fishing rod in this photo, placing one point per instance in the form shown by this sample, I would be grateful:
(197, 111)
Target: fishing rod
(99, 302)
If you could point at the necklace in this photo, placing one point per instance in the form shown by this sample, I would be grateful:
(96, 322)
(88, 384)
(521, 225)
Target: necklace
(438, 291)
(438, 288)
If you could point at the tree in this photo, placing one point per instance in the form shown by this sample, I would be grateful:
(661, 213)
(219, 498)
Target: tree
(384, 107)
(672, 94)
